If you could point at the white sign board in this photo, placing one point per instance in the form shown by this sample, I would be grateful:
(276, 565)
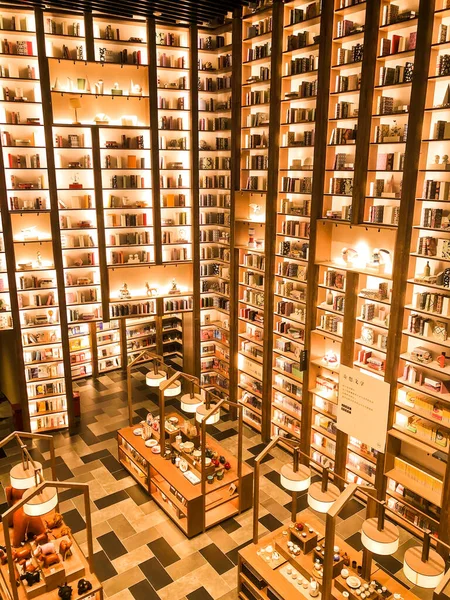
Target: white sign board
(363, 407)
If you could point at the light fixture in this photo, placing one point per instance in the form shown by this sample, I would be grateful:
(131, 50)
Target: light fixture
(153, 379)
(295, 477)
(190, 402)
(23, 475)
(322, 495)
(379, 536)
(75, 103)
(424, 566)
(173, 389)
(200, 414)
(42, 503)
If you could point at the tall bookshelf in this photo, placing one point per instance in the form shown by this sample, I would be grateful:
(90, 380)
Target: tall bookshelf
(300, 63)
(252, 206)
(416, 462)
(215, 147)
(27, 217)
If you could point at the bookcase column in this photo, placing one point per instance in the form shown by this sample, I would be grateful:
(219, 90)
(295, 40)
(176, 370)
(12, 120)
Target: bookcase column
(54, 215)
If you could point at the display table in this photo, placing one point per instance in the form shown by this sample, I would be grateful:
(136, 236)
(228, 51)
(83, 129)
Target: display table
(71, 570)
(182, 500)
(260, 577)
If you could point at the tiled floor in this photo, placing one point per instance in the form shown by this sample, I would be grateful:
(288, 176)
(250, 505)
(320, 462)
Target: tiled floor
(139, 553)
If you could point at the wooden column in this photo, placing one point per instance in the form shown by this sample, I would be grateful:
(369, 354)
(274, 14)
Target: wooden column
(196, 313)
(271, 213)
(89, 36)
(236, 78)
(123, 343)
(44, 75)
(365, 109)
(94, 349)
(10, 257)
(347, 355)
(98, 187)
(154, 137)
(320, 151)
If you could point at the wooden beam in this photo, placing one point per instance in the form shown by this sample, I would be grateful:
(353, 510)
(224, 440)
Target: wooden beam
(100, 215)
(154, 137)
(365, 109)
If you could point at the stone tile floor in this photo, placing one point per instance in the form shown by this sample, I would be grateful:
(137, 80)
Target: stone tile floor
(139, 553)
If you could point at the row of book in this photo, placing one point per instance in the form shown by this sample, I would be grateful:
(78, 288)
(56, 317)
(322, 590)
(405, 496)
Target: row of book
(299, 185)
(299, 65)
(397, 74)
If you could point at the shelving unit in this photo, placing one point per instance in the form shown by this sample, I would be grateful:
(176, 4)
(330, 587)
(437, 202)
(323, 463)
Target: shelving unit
(29, 225)
(181, 500)
(215, 96)
(175, 88)
(108, 343)
(416, 464)
(299, 65)
(253, 207)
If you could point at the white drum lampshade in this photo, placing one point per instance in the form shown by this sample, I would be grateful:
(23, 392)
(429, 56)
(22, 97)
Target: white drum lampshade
(173, 389)
(200, 414)
(295, 481)
(153, 379)
(190, 403)
(42, 503)
(383, 542)
(23, 477)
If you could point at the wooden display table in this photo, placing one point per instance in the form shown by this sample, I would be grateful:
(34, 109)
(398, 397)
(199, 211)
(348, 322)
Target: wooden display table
(177, 496)
(71, 571)
(263, 579)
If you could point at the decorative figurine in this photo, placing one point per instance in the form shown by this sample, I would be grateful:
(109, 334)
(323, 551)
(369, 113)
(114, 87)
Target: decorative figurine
(38, 259)
(174, 289)
(124, 292)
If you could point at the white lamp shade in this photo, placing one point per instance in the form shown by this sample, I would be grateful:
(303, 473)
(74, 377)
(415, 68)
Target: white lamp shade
(24, 478)
(295, 481)
(42, 503)
(424, 574)
(153, 379)
(174, 389)
(189, 404)
(201, 413)
(384, 542)
(322, 501)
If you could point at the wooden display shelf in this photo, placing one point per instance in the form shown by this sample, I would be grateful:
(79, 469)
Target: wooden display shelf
(70, 570)
(181, 500)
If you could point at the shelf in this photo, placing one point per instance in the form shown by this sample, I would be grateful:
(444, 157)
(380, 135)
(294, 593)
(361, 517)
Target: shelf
(413, 485)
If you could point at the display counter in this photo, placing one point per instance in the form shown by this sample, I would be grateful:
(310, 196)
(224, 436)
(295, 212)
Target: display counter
(284, 562)
(178, 491)
(68, 569)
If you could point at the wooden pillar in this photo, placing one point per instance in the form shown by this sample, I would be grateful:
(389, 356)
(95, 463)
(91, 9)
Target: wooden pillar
(365, 109)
